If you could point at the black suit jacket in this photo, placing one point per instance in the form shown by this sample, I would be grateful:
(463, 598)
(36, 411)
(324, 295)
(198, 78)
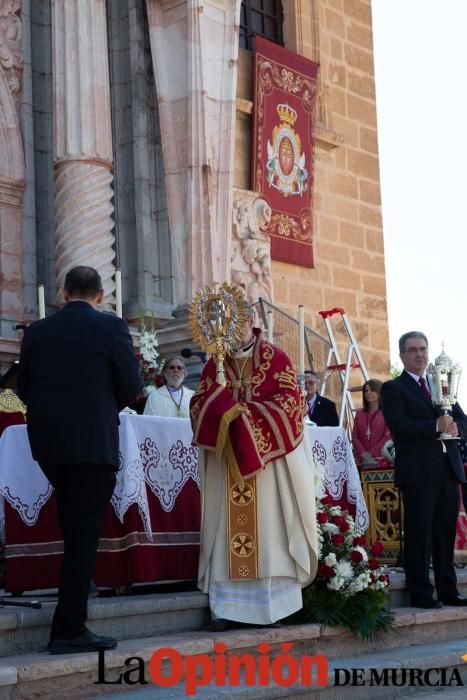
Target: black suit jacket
(324, 412)
(411, 418)
(77, 371)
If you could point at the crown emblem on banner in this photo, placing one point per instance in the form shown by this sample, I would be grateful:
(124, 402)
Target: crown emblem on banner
(286, 114)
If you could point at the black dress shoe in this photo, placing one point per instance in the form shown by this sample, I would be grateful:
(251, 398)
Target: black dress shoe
(222, 625)
(85, 642)
(453, 600)
(428, 603)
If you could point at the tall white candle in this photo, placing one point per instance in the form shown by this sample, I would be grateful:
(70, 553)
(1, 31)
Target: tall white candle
(301, 339)
(118, 293)
(41, 300)
(270, 326)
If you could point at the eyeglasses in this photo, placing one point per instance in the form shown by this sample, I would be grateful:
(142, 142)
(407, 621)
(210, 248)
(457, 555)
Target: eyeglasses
(413, 351)
(179, 367)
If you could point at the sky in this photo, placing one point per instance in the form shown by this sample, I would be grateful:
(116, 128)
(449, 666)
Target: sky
(420, 51)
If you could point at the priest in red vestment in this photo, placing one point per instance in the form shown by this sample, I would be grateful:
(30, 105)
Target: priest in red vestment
(258, 531)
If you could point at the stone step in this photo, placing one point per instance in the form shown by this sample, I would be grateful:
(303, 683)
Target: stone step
(141, 614)
(400, 595)
(25, 630)
(74, 676)
(445, 657)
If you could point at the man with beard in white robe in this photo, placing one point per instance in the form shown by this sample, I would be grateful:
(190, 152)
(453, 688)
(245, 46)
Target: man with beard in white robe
(172, 400)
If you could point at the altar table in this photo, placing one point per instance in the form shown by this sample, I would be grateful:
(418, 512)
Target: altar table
(151, 528)
(332, 450)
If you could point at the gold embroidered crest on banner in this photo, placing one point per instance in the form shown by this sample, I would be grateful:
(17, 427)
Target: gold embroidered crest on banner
(285, 163)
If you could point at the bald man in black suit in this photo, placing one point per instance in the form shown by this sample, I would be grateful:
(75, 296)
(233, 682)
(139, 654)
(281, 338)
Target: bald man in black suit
(77, 370)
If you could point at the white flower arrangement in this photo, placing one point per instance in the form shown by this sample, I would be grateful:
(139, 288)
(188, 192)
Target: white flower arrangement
(362, 551)
(350, 587)
(148, 356)
(344, 569)
(148, 345)
(344, 563)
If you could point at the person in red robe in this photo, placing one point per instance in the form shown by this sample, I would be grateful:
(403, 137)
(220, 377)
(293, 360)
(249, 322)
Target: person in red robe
(258, 531)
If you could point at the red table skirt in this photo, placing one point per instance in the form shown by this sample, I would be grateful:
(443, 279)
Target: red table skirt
(125, 555)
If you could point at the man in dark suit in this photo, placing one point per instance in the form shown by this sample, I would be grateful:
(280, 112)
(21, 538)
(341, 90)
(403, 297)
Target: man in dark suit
(77, 371)
(428, 471)
(321, 411)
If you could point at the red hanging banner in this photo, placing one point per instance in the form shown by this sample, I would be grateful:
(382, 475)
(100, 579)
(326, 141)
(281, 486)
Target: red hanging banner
(285, 87)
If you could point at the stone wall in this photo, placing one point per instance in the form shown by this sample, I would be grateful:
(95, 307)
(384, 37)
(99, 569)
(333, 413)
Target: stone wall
(173, 218)
(348, 237)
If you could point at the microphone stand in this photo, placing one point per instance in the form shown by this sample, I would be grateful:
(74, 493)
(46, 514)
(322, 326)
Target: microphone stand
(4, 602)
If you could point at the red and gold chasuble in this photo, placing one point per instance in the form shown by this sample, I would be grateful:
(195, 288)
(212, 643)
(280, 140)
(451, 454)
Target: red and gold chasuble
(255, 419)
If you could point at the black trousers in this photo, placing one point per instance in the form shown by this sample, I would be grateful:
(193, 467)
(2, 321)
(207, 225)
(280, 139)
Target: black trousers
(82, 492)
(430, 517)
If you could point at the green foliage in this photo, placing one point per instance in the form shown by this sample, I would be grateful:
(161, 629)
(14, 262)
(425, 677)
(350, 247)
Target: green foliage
(395, 371)
(364, 614)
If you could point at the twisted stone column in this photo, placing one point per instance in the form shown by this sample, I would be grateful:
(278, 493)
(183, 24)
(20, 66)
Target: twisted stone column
(82, 141)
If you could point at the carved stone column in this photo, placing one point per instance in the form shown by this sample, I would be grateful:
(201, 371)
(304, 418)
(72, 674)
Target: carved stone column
(251, 246)
(194, 45)
(12, 169)
(82, 141)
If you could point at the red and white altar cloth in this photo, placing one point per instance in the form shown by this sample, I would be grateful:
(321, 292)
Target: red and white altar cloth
(151, 528)
(331, 449)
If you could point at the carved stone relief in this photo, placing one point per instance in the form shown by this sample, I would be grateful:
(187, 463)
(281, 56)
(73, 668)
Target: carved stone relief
(251, 246)
(11, 60)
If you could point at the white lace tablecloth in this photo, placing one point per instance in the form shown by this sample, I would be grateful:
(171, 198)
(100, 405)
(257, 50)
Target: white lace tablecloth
(332, 450)
(157, 453)
(153, 451)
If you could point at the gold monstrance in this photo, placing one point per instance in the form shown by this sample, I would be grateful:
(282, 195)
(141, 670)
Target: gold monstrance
(217, 319)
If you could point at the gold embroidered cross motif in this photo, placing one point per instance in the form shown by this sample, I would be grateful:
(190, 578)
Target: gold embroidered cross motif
(242, 545)
(242, 528)
(242, 495)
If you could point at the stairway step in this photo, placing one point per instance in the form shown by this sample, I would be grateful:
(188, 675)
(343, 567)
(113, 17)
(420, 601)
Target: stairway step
(400, 595)
(53, 677)
(25, 630)
(445, 655)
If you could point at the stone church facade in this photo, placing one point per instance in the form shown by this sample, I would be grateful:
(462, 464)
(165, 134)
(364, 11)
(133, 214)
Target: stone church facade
(125, 142)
